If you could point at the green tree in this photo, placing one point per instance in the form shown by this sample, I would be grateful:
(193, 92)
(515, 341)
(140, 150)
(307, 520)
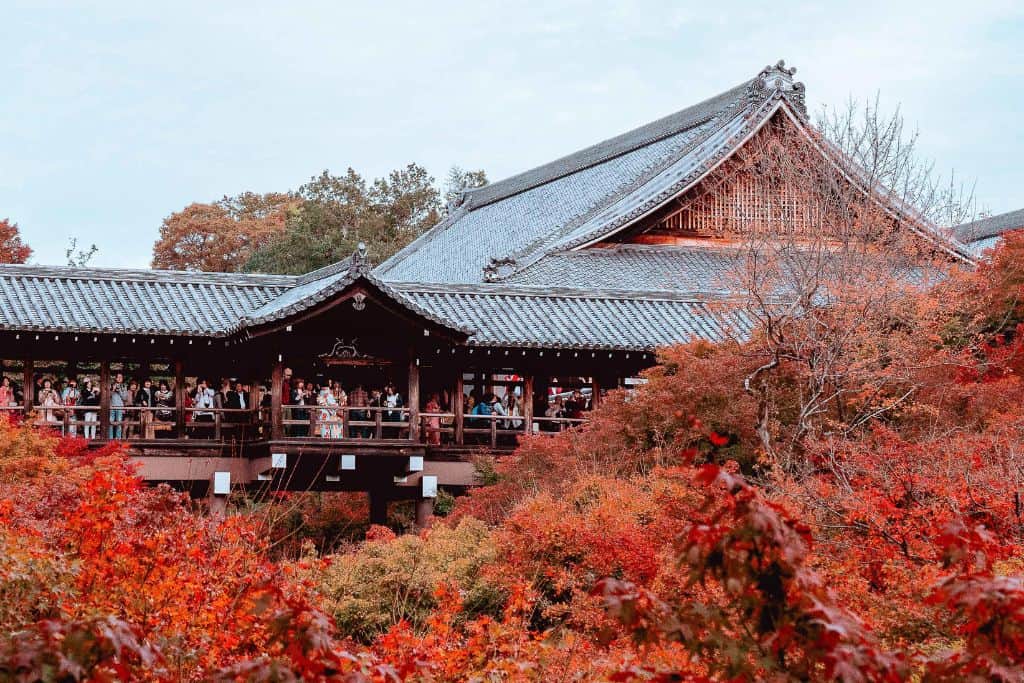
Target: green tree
(337, 212)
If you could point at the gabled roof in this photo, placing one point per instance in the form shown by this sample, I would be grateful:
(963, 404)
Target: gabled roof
(502, 230)
(333, 281)
(529, 210)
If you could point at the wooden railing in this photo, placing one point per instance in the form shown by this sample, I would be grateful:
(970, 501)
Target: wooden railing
(133, 423)
(435, 428)
(370, 423)
(346, 422)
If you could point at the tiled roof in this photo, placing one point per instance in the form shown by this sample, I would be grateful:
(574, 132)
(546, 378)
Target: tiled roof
(546, 318)
(989, 227)
(578, 200)
(646, 135)
(335, 279)
(458, 249)
(528, 212)
(115, 301)
(696, 268)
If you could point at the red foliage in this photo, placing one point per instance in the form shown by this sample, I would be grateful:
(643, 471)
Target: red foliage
(12, 249)
(132, 580)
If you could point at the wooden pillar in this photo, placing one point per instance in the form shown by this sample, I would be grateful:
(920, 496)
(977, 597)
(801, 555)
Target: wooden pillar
(28, 382)
(595, 393)
(218, 502)
(179, 396)
(528, 403)
(276, 379)
(424, 511)
(414, 398)
(458, 406)
(104, 432)
(378, 507)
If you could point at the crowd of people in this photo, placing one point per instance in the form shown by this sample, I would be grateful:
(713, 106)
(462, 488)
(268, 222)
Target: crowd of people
(143, 407)
(137, 406)
(326, 406)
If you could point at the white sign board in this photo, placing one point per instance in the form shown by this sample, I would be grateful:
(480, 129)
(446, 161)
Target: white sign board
(429, 486)
(348, 462)
(415, 463)
(279, 461)
(221, 483)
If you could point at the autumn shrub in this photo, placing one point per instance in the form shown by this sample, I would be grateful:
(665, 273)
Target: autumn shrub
(291, 521)
(388, 580)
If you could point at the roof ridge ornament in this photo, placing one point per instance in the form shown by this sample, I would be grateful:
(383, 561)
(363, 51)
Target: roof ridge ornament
(777, 82)
(359, 264)
(499, 268)
(456, 201)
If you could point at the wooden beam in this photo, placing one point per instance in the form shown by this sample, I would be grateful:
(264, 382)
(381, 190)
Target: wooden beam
(414, 397)
(458, 406)
(104, 399)
(28, 382)
(179, 396)
(528, 403)
(276, 379)
(595, 393)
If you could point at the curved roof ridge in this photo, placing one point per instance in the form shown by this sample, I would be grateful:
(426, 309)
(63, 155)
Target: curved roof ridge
(623, 143)
(991, 226)
(146, 275)
(324, 271)
(286, 304)
(558, 292)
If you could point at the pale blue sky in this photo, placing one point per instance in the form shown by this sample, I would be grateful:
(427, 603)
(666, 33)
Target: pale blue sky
(115, 114)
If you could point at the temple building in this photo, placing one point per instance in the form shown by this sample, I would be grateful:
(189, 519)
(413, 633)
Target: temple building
(554, 285)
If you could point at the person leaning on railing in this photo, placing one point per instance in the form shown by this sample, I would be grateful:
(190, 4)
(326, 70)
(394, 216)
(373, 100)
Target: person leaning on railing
(69, 397)
(203, 403)
(49, 400)
(164, 401)
(433, 422)
(91, 399)
(359, 399)
(143, 399)
(119, 398)
(554, 411)
(7, 393)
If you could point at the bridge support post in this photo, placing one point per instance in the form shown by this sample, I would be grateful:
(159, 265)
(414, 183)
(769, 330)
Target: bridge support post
(217, 496)
(424, 511)
(378, 506)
